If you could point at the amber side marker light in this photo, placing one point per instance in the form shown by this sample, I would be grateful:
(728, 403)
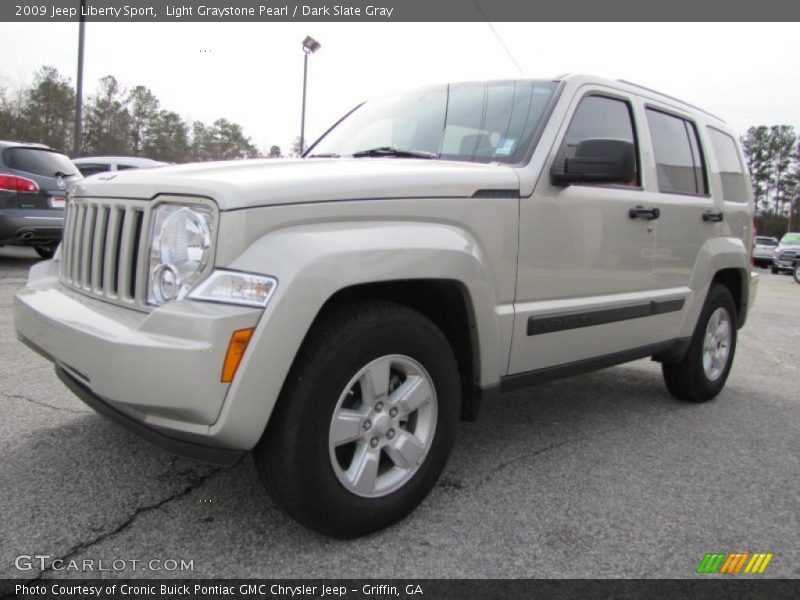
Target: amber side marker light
(236, 348)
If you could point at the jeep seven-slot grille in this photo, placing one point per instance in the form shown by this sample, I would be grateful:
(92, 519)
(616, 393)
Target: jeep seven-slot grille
(101, 253)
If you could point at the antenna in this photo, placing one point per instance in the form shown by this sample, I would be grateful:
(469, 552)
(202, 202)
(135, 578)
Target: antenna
(497, 35)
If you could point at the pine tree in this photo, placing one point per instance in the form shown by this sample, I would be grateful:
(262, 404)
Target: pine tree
(48, 110)
(143, 110)
(108, 121)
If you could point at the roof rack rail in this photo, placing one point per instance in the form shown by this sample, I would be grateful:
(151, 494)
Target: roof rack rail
(642, 87)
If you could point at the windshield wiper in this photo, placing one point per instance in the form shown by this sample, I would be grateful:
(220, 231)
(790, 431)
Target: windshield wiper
(394, 152)
(62, 174)
(324, 155)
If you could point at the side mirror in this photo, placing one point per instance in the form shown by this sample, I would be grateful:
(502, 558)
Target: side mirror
(597, 161)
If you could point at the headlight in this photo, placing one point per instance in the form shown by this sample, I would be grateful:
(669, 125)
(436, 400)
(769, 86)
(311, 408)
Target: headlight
(180, 251)
(235, 287)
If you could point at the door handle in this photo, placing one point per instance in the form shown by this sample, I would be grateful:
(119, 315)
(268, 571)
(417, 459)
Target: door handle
(640, 212)
(713, 216)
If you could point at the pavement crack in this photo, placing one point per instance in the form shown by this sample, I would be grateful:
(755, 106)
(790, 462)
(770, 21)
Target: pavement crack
(580, 438)
(141, 510)
(40, 403)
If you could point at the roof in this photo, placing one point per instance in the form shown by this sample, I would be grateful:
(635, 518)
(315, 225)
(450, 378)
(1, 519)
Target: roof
(635, 88)
(10, 144)
(136, 161)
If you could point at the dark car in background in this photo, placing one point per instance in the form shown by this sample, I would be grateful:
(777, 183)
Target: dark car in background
(34, 180)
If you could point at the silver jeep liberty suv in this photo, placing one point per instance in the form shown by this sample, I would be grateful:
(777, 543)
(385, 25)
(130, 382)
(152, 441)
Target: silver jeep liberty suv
(338, 313)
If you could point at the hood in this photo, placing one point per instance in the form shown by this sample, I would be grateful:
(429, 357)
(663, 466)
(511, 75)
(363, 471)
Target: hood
(246, 183)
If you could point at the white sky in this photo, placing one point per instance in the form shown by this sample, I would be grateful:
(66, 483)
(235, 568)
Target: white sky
(251, 73)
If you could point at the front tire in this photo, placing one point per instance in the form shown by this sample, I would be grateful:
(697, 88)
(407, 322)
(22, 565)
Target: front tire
(702, 373)
(796, 273)
(366, 420)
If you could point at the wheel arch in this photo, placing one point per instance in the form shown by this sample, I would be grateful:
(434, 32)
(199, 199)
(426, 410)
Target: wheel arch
(724, 261)
(316, 264)
(447, 303)
(734, 279)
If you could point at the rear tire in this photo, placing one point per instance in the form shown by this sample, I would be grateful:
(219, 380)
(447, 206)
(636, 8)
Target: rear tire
(45, 252)
(796, 273)
(774, 270)
(702, 373)
(346, 457)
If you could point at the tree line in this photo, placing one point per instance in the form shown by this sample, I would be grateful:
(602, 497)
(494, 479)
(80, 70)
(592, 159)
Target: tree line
(773, 157)
(117, 121)
(132, 122)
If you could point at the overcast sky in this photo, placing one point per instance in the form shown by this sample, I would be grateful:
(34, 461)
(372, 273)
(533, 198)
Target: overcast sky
(252, 73)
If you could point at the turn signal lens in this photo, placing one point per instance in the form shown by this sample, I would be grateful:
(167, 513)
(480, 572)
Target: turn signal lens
(236, 348)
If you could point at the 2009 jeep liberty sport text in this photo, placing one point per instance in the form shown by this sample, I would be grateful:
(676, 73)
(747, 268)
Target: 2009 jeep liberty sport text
(338, 313)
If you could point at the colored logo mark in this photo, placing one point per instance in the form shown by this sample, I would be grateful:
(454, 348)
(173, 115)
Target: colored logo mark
(735, 562)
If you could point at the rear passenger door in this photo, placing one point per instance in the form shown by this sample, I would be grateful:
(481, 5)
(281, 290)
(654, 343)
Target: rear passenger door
(689, 215)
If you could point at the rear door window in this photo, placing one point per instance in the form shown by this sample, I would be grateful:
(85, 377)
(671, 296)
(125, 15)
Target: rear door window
(38, 161)
(731, 169)
(679, 161)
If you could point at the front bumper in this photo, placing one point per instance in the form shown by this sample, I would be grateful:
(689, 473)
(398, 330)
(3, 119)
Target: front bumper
(31, 226)
(156, 372)
(783, 265)
(155, 435)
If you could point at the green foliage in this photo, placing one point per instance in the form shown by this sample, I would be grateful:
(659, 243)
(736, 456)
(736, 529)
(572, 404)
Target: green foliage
(167, 138)
(107, 129)
(116, 122)
(143, 110)
(43, 113)
(773, 157)
(297, 149)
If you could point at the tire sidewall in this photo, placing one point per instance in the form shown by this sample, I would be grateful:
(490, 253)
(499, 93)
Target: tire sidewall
(719, 297)
(323, 493)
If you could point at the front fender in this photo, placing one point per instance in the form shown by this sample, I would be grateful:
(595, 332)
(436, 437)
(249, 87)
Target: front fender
(314, 261)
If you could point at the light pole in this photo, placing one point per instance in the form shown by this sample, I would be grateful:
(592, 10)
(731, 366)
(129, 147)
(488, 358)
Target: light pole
(310, 45)
(76, 142)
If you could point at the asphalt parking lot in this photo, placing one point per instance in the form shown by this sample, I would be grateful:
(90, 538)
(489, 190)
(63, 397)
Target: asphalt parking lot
(603, 475)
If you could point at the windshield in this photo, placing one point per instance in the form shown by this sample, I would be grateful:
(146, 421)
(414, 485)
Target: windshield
(39, 161)
(476, 122)
(791, 238)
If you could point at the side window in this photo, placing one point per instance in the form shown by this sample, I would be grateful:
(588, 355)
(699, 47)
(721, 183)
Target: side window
(731, 170)
(600, 118)
(679, 161)
(92, 169)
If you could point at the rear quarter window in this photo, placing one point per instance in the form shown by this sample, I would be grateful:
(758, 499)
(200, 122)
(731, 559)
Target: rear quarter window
(731, 170)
